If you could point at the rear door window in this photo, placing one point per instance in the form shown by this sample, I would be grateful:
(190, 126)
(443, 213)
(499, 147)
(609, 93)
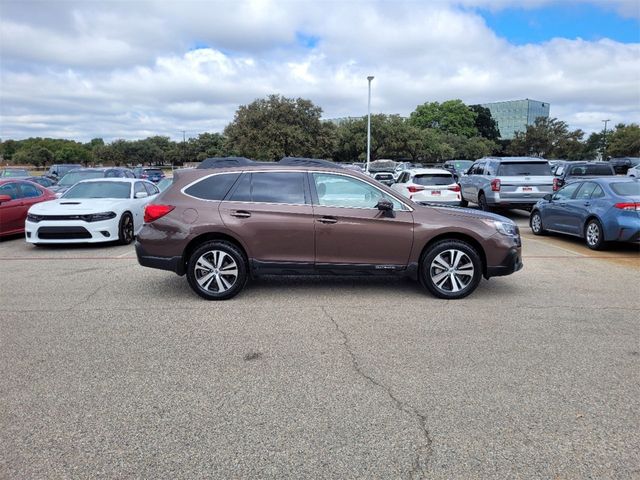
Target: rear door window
(214, 187)
(586, 190)
(278, 187)
(519, 169)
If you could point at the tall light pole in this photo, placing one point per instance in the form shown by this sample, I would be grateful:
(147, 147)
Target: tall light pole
(369, 78)
(604, 140)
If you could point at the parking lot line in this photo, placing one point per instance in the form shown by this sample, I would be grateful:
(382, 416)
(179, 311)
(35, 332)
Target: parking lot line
(548, 244)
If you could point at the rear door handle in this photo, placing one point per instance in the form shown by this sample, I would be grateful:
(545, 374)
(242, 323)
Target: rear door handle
(328, 220)
(240, 214)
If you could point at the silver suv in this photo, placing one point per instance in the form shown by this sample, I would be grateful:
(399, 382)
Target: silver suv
(507, 182)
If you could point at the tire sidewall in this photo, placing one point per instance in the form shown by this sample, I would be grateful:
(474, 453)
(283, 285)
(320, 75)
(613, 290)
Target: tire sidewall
(600, 244)
(121, 237)
(229, 249)
(435, 250)
(482, 202)
(541, 230)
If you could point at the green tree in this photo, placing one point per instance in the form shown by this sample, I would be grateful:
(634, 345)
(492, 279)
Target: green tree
(73, 153)
(452, 116)
(624, 141)
(275, 127)
(37, 156)
(485, 124)
(550, 138)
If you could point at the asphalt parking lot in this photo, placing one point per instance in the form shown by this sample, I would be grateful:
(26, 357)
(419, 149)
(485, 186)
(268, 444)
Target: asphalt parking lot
(113, 370)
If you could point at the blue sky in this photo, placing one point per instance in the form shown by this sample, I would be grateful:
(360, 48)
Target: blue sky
(563, 19)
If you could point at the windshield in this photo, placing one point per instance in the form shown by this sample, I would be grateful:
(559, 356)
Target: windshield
(153, 171)
(461, 165)
(99, 190)
(583, 170)
(626, 189)
(15, 173)
(516, 169)
(74, 177)
(433, 179)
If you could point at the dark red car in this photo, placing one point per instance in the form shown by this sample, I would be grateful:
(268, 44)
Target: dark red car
(16, 196)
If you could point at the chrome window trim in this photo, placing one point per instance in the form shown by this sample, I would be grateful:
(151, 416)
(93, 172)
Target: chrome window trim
(277, 170)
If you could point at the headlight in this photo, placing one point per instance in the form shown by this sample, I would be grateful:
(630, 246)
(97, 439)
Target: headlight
(505, 228)
(34, 218)
(98, 217)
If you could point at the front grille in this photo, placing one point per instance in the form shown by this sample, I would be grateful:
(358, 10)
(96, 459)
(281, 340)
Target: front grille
(63, 233)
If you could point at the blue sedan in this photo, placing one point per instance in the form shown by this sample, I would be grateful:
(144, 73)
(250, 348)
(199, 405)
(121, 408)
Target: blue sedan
(599, 210)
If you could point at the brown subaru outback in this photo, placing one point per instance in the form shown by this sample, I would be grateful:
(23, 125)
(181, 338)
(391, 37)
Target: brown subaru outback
(234, 218)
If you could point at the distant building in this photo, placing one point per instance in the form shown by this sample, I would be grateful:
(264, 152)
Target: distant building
(514, 115)
(340, 120)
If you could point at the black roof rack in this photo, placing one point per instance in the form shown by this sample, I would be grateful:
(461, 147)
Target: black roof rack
(308, 162)
(223, 162)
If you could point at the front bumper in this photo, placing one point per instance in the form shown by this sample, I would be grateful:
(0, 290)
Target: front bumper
(512, 263)
(172, 264)
(71, 231)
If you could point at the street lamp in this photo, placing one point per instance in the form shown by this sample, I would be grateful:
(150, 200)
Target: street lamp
(369, 78)
(604, 140)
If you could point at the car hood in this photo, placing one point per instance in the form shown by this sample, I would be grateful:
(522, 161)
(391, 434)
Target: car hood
(64, 206)
(464, 213)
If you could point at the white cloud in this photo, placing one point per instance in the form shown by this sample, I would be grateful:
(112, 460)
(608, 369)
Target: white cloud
(85, 69)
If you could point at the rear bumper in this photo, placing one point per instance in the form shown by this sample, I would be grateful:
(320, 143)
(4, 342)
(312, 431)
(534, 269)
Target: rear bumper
(172, 264)
(515, 201)
(511, 264)
(455, 203)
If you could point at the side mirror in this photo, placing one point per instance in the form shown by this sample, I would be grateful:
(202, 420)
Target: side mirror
(141, 195)
(548, 197)
(386, 207)
(5, 198)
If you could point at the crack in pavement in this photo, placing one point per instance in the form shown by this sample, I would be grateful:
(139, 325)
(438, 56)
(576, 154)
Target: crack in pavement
(420, 463)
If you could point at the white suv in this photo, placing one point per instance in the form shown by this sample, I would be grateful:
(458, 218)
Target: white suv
(429, 185)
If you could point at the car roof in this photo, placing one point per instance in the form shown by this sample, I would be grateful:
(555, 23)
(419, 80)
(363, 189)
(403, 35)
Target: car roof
(114, 179)
(516, 159)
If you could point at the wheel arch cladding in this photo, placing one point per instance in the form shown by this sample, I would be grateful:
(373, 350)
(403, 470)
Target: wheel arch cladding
(207, 237)
(457, 236)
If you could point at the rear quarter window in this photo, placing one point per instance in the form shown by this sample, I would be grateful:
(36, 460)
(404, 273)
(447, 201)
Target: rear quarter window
(214, 187)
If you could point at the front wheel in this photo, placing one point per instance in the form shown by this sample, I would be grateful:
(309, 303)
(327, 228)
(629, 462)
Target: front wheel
(535, 222)
(451, 269)
(593, 235)
(217, 270)
(125, 229)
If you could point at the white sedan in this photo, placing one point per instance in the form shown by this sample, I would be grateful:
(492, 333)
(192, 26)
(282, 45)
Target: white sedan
(92, 211)
(429, 185)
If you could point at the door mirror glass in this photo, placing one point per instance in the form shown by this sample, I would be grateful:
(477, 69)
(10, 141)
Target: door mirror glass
(5, 198)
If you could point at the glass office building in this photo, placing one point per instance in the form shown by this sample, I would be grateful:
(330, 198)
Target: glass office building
(514, 116)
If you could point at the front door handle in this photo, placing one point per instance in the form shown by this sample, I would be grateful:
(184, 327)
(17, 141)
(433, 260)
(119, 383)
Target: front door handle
(240, 214)
(328, 220)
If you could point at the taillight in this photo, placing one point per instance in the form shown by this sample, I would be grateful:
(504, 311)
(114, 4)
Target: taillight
(455, 188)
(154, 212)
(628, 206)
(144, 175)
(556, 184)
(414, 188)
(495, 185)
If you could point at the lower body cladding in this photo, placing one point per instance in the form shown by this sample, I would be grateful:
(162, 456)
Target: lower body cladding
(511, 263)
(71, 231)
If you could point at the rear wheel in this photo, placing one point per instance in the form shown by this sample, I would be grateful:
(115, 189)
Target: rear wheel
(482, 202)
(451, 269)
(463, 202)
(535, 222)
(217, 270)
(594, 235)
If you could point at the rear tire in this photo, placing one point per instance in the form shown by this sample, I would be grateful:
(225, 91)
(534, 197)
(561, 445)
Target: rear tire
(535, 222)
(451, 269)
(217, 270)
(594, 235)
(482, 203)
(463, 202)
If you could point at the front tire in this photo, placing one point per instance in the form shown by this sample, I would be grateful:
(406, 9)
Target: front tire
(594, 235)
(535, 222)
(217, 270)
(451, 269)
(125, 229)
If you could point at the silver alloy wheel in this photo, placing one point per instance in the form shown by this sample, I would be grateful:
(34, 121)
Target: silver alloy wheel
(451, 271)
(536, 223)
(216, 271)
(593, 233)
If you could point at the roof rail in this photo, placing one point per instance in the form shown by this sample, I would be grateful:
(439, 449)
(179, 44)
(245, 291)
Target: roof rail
(308, 162)
(223, 162)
